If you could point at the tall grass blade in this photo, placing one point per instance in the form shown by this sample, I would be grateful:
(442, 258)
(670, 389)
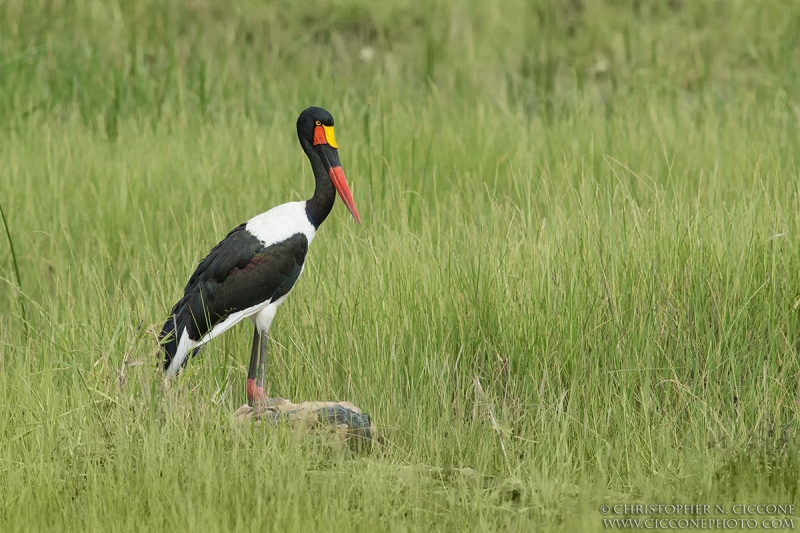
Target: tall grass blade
(20, 293)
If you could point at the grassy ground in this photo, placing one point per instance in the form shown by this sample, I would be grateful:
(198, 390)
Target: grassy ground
(592, 207)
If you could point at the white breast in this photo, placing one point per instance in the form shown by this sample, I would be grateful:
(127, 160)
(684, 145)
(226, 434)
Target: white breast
(280, 223)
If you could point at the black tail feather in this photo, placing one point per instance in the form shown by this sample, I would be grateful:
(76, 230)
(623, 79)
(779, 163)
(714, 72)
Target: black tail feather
(179, 321)
(168, 339)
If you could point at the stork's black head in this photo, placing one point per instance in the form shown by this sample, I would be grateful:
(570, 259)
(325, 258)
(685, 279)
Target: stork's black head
(315, 131)
(309, 120)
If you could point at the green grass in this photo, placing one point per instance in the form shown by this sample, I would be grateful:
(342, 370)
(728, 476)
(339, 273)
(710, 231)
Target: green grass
(591, 207)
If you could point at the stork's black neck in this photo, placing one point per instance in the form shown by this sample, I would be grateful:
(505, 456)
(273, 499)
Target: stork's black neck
(319, 206)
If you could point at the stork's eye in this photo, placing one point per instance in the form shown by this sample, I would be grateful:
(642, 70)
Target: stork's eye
(318, 123)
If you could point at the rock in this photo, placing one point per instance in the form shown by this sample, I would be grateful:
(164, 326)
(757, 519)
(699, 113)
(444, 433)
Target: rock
(344, 420)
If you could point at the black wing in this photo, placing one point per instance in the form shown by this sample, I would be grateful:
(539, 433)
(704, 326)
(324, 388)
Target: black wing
(237, 274)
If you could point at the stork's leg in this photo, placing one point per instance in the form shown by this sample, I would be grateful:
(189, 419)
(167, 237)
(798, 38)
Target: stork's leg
(255, 372)
(262, 360)
(258, 357)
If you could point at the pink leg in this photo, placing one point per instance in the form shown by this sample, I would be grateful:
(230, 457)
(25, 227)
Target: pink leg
(254, 393)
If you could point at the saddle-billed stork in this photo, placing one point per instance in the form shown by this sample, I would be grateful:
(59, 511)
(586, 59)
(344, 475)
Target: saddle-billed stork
(250, 272)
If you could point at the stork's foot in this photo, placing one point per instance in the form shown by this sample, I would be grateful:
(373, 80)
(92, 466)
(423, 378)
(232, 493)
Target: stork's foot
(255, 394)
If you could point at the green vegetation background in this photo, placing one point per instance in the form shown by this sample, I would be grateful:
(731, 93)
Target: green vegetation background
(590, 206)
